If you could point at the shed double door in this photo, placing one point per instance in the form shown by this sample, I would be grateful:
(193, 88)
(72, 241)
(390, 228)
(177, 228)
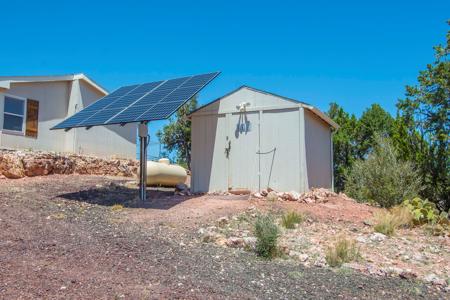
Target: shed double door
(241, 150)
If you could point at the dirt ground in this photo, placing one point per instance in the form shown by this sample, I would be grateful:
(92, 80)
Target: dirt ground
(64, 237)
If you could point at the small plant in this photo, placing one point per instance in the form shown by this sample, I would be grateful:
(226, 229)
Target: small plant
(266, 232)
(117, 207)
(425, 212)
(387, 222)
(288, 220)
(343, 251)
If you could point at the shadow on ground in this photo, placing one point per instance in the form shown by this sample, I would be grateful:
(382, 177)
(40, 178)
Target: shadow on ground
(111, 194)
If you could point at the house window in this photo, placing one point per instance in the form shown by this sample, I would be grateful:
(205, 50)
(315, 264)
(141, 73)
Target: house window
(14, 114)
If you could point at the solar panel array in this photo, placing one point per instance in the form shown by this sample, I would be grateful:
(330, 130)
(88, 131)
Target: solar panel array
(141, 102)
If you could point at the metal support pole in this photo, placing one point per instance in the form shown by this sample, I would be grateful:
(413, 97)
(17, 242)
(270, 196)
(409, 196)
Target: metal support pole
(143, 136)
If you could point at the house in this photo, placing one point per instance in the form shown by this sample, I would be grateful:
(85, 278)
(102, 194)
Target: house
(31, 105)
(253, 139)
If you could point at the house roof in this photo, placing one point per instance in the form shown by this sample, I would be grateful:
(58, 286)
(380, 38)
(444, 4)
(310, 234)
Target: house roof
(311, 108)
(5, 81)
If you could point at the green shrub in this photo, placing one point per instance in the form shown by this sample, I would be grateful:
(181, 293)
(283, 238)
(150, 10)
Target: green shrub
(266, 232)
(386, 222)
(425, 212)
(288, 220)
(343, 251)
(382, 178)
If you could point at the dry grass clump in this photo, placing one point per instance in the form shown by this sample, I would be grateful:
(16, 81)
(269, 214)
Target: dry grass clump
(288, 220)
(117, 207)
(387, 222)
(343, 251)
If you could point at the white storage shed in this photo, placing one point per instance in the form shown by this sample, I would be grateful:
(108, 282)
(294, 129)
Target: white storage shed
(252, 139)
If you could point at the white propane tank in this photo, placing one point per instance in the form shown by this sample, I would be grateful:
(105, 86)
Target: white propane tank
(164, 174)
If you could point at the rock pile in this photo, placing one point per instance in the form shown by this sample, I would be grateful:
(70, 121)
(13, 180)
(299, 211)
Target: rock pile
(17, 164)
(315, 195)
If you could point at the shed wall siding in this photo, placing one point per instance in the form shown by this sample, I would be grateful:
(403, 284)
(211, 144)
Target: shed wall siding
(280, 158)
(318, 151)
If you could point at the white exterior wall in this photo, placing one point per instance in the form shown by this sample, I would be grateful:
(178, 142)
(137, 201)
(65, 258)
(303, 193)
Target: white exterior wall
(265, 155)
(111, 140)
(57, 101)
(273, 153)
(52, 97)
(318, 151)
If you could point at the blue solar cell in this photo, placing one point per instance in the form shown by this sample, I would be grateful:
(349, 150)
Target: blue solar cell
(130, 113)
(172, 84)
(100, 117)
(182, 94)
(123, 90)
(199, 79)
(146, 87)
(160, 111)
(102, 103)
(153, 97)
(134, 103)
(125, 101)
(77, 118)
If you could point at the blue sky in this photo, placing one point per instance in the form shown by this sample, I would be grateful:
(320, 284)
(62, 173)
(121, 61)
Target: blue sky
(352, 52)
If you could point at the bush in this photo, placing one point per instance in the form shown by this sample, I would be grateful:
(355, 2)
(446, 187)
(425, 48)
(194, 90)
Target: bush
(288, 220)
(266, 232)
(343, 251)
(382, 178)
(425, 212)
(386, 222)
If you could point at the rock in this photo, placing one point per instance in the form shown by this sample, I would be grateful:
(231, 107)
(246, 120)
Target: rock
(377, 237)
(235, 242)
(316, 195)
(368, 222)
(250, 242)
(17, 164)
(264, 193)
(181, 187)
(361, 239)
(11, 166)
(408, 274)
(298, 255)
(393, 271)
(209, 235)
(434, 280)
(222, 221)
(272, 196)
(258, 195)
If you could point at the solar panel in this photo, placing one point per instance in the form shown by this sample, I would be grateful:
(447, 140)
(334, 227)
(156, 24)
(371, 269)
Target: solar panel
(140, 102)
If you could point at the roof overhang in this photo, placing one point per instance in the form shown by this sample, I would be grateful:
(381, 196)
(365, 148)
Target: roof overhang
(5, 81)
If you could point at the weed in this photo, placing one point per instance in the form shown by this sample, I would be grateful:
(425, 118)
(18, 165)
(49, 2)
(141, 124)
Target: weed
(117, 207)
(289, 219)
(59, 216)
(387, 222)
(266, 232)
(296, 275)
(343, 251)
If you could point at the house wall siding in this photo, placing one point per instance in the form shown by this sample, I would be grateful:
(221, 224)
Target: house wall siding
(52, 98)
(57, 101)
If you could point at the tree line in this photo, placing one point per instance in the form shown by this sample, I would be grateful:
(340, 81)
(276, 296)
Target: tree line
(418, 136)
(378, 157)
